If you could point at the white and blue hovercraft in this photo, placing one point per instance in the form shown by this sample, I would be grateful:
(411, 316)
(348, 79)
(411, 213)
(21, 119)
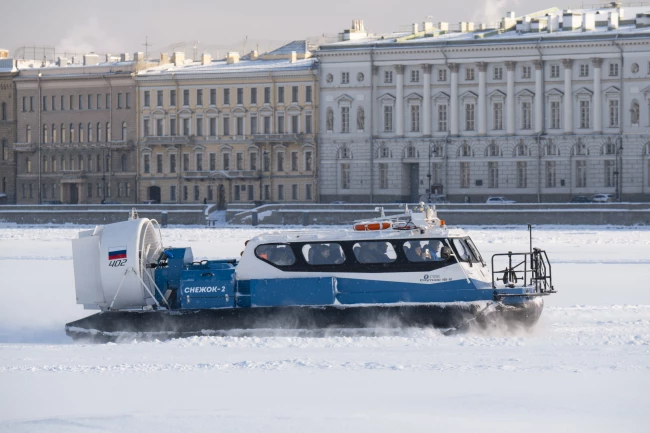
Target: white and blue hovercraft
(408, 270)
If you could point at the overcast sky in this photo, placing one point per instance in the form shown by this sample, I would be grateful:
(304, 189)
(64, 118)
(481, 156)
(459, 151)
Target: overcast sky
(114, 26)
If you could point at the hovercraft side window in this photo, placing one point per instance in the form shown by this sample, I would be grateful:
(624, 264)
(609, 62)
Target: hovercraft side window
(423, 251)
(323, 254)
(462, 251)
(474, 250)
(278, 254)
(374, 252)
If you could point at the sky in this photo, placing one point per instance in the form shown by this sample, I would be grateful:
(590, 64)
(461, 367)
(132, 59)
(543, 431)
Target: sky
(81, 26)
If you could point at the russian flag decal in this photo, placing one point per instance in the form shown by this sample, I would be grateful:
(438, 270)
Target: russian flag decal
(116, 253)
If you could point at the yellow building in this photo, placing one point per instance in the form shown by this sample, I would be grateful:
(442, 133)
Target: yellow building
(233, 130)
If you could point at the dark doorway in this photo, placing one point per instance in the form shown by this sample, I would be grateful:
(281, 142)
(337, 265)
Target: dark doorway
(154, 193)
(414, 181)
(74, 193)
(221, 197)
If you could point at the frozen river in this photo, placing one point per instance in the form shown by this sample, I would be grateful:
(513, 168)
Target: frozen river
(586, 367)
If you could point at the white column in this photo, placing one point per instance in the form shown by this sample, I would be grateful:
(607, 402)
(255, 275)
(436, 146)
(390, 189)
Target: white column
(377, 125)
(482, 99)
(598, 100)
(399, 100)
(568, 106)
(510, 98)
(453, 99)
(426, 100)
(539, 97)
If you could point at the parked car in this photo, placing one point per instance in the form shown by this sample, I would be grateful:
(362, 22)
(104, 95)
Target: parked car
(602, 198)
(499, 200)
(580, 199)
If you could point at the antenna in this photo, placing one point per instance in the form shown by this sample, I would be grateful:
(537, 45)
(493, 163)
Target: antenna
(146, 49)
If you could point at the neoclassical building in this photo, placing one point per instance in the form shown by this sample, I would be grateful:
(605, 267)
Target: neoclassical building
(540, 107)
(236, 130)
(7, 128)
(76, 130)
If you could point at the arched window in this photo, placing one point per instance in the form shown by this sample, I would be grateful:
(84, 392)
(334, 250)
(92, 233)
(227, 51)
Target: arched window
(71, 133)
(99, 131)
(465, 149)
(29, 134)
(62, 133)
(493, 149)
(410, 152)
(551, 148)
(521, 150)
(53, 133)
(123, 162)
(108, 132)
(45, 165)
(90, 133)
(45, 136)
(610, 147)
(384, 151)
(123, 131)
(28, 165)
(81, 133)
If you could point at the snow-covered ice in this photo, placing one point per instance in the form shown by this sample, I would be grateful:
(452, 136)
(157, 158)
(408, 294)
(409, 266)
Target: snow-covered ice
(586, 366)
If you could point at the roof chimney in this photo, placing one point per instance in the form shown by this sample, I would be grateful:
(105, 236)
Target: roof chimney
(232, 57)
(138, 57)
(164, 58)
(206, 59)
(612, 21)
(589, 22)
(294, 57)
(91, 59)
(444, 27)
(125, 57)
(179, 58)
(414, 28)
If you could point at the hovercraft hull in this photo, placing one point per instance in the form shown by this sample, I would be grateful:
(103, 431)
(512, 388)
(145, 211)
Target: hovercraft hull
(162, 324)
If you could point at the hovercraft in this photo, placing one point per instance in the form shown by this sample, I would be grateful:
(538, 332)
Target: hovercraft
(408, 270)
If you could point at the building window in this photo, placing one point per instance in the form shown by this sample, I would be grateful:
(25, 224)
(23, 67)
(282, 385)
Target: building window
(493, 149)
(345, 77)
(555, 115)
(469, 74)
(415, 76)
(267, 95)
(308, 123)
(239, 161)
(280, 192)
(280, 123)
(267, 192)
(526, 115)
(294, 124)
(388, 118)
(226, 125)
(266, 120)
(584, 114)
(159, 127)
(613, 69)
(442, 117)
(498, 73)
(294, 161)
(199, 97)
(119, 101)
(186, 126)
(252, 161)
(634, 113)
(308, 160)
(613, 113)
(464, 174)
(345, 176)
(522, 174)
(279, 161)
(172, 98)
(44, 103)
(415, 117)
(525, 72)
(294, 93)
(555, 71)
(253, 95)
(225, 161)
(199, 127)
(281, 95)
(172, 126)
(253, 122)
(128, 100)
(267, 161)
(172, 163)
(146, 128)
(581, 174)
(308, 94)
(388, 77)
(185, 193)
(186, 97)
(240, 95)
(172, 193)
(383, 175)
(493, 174)
(469, 117)
(146, 163)
(309, 192)
(107, 104)
(550, 174)
(345, 119)
(610, 168)
(197, 193)
(199, 162)
(212, 161)
(294, 192)
(212, 125)
(122, 162)
(497, 115)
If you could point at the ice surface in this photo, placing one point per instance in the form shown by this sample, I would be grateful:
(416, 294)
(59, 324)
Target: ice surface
(586, 367)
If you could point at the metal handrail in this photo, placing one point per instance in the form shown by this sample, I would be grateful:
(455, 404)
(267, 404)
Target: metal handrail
(518, 273)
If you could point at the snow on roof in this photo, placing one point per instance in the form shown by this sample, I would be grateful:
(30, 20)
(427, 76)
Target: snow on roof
(300, 47)
(223, 67)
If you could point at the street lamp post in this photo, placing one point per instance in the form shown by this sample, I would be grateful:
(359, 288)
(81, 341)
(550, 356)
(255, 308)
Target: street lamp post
(429, 173)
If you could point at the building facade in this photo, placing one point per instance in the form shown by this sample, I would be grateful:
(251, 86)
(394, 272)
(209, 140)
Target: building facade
(7, 129)
(237, 130)
(76, 131)
(539, 108)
